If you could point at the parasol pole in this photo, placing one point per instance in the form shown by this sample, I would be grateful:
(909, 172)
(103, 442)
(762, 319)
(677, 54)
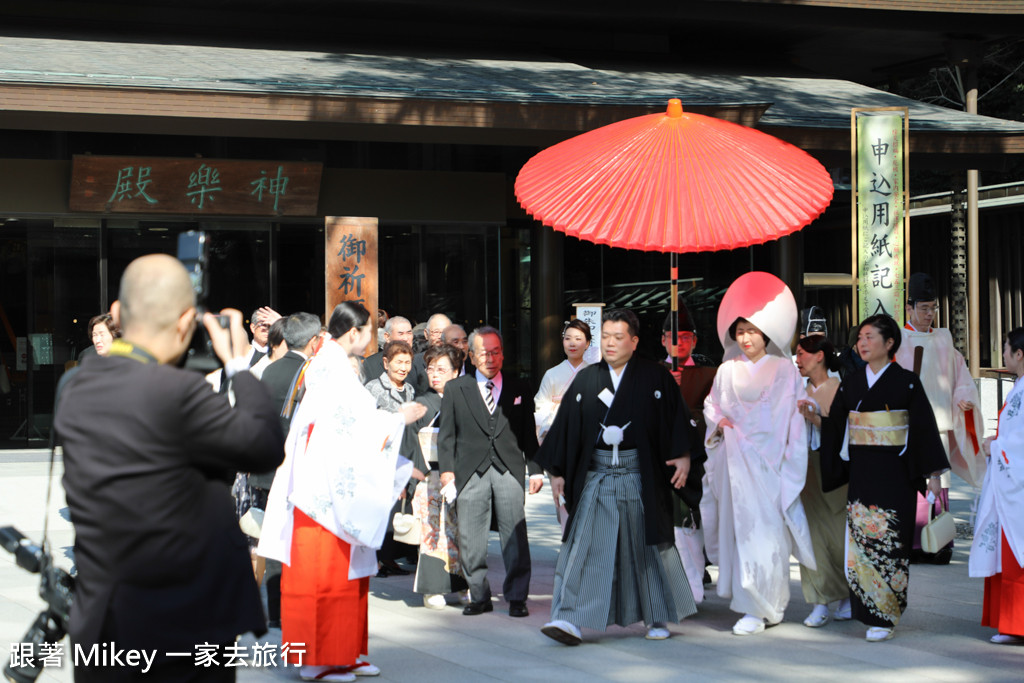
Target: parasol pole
(674, 277)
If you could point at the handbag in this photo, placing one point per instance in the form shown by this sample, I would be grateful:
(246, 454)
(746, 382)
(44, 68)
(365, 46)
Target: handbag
(251, 522)
(690, 544)
(938, 532)
(407, 527)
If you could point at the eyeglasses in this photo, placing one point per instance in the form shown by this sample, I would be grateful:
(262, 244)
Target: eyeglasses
(490, 354)
(434, 370)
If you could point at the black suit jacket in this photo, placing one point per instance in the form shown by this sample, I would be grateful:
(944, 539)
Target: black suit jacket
(278, 378)
(468, 433)
(373, 366)
(418, 375)
(150, 452)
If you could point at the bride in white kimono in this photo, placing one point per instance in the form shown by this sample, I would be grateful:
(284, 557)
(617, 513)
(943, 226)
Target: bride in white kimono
(757, 454)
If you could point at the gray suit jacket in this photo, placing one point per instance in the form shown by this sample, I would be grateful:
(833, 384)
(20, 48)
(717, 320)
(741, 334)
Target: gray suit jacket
(468, 434)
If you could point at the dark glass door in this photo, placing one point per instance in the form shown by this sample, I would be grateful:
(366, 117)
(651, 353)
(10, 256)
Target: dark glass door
(50, 281)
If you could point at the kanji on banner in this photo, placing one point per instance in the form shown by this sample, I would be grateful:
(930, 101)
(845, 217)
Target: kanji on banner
(880, 194)
(350, 250)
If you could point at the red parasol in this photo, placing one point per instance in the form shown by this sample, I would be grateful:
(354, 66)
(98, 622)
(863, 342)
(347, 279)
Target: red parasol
(675, 182)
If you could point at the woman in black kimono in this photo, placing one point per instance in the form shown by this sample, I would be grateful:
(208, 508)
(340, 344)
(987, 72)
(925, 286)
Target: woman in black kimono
(881, 436)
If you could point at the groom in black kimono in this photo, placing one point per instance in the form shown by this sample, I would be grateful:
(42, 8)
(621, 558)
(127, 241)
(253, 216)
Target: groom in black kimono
(618, 447)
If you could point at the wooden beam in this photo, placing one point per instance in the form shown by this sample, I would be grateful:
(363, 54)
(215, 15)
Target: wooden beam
(306, 108)
(299, 115)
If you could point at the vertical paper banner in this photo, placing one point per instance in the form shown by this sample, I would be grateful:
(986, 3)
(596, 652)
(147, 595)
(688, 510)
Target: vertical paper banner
(591, 315)
(880, 212)
(350, 252)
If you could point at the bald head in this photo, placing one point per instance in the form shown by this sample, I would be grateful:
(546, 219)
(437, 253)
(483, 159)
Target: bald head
(435, 327)
(155, 291)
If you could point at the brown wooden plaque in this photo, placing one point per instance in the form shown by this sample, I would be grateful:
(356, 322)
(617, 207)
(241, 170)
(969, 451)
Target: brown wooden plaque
(350, 250)
(194, 186)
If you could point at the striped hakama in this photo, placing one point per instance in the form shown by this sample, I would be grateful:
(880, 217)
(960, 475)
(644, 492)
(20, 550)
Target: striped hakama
(606, 574)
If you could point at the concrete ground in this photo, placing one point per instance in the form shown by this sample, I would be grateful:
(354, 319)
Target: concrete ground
(938, 640)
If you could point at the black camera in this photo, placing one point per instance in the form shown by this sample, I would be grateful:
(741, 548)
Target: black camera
(192, 252)
(56, 588)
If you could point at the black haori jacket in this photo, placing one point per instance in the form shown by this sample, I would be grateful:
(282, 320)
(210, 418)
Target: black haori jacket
(659, 428)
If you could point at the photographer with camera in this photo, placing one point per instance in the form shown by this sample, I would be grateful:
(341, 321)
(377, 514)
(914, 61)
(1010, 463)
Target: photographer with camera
(149, 456)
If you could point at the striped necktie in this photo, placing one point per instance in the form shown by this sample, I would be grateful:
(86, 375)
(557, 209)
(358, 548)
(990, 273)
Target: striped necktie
(489, 397)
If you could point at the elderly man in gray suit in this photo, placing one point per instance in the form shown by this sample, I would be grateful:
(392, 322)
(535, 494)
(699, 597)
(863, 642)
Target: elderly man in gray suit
(486, 442)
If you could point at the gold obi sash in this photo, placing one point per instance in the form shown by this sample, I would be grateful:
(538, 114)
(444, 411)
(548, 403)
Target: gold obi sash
(879, 428)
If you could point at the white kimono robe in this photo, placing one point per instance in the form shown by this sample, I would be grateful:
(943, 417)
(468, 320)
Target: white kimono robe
(553, 385)
(752, 515)
(1001, 507)
(341, 466)
(947, 381)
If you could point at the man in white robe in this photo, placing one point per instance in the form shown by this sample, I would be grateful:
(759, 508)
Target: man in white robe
(951, 392)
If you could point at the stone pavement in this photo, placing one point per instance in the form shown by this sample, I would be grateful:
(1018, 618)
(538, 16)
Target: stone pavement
(938, 640)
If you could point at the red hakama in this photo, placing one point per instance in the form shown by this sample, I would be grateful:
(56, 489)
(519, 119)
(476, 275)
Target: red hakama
(320, 606)
(1003, 608)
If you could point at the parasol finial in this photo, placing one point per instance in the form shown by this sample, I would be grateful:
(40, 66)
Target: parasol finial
(675, 108)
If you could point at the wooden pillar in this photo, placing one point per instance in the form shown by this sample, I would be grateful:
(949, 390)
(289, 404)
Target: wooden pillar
(549, 308)
(973, 262)
(350, 268)
(788, 264)
(958, 308)
(966, 57)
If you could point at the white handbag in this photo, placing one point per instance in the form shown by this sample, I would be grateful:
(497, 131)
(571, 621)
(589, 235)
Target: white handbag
(690, 544)
(938, 532)
(252, 522)
(407, 527)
